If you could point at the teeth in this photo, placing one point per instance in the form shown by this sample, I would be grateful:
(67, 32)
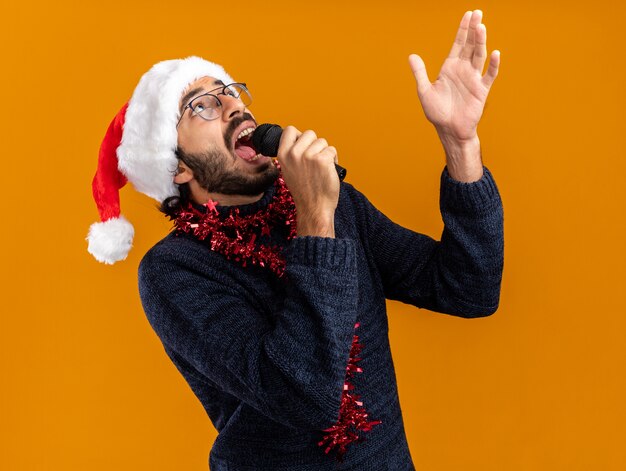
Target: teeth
(256, 157)
(245, 132)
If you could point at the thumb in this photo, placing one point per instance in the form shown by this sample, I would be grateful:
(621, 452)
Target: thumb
(419, 71)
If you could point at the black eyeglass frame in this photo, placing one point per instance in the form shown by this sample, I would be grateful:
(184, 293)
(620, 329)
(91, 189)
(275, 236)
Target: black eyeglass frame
(215, 95)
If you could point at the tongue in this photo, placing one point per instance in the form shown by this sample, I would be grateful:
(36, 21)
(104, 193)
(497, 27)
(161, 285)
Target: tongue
(244, 151)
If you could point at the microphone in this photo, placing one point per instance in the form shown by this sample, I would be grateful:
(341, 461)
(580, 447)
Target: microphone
(266, 138)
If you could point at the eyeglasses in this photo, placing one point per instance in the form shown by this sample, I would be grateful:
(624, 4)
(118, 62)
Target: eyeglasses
(208, 106)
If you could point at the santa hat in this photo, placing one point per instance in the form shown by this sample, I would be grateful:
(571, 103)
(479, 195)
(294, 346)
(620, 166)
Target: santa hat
(139, 146)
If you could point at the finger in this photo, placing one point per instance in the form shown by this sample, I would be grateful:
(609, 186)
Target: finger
(289, 135)
(287, 139)
(480, 51)
(330, 152)
(419, 72)
(303, 142)
(468, 49)
(461, 35)
(315, 147)
(492, 71)
(335, 156)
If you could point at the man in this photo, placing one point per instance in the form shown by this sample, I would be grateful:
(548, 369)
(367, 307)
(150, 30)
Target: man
(269, 297)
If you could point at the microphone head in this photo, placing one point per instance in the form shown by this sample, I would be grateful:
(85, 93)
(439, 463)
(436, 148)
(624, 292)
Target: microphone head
(266, 138)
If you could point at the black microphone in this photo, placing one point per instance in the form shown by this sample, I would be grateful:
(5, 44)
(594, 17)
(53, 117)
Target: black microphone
(266, 138)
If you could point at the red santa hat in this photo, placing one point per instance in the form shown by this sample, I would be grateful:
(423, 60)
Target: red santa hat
(139, 146)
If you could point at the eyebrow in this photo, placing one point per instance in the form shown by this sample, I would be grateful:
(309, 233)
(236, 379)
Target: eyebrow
(193, 92)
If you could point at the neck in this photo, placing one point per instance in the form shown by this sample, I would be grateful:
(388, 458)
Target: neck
(202, 196)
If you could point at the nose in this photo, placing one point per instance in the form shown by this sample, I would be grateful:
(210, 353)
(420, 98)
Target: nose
(231, 107)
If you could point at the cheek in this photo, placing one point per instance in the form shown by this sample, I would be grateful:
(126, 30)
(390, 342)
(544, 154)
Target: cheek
(195, 140)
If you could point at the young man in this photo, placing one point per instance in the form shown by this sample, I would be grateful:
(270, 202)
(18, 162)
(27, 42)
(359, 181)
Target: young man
(269, 297)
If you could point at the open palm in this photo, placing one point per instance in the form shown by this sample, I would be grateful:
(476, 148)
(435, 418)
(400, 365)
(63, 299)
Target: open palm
(454, 103)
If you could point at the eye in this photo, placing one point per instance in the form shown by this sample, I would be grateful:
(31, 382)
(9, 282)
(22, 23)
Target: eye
(204, 104)
(198, 108)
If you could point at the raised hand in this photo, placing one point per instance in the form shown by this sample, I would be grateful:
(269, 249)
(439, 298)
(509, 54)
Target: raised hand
(454, 103)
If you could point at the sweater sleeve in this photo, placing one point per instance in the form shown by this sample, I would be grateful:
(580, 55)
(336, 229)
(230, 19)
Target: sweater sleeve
(291, 369)
(460, 274)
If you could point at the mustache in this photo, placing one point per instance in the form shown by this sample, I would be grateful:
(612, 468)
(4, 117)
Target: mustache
(236, 121)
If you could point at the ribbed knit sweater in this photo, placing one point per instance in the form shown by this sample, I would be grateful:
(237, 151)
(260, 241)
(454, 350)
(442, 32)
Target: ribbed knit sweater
(266, 356)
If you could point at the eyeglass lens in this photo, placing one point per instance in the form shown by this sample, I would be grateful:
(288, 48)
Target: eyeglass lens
(207, 106)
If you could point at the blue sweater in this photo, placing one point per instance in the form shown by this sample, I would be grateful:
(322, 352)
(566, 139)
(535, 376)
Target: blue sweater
(267, 358)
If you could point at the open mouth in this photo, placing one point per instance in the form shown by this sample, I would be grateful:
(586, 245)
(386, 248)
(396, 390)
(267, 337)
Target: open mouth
(244, 147)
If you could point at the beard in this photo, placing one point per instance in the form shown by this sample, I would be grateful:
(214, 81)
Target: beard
(210, 168)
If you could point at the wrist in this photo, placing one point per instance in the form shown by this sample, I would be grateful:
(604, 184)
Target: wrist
(315, 226)
(463, 157)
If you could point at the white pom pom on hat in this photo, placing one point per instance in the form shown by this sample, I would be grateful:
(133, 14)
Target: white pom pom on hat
(139, 146)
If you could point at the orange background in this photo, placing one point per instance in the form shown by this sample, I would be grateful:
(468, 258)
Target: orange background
(537, 386)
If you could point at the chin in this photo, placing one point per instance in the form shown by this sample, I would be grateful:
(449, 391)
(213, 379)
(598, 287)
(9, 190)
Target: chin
(262, 177)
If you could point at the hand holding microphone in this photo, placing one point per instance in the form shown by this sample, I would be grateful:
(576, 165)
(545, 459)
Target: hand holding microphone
(266, 139)
(308, 165)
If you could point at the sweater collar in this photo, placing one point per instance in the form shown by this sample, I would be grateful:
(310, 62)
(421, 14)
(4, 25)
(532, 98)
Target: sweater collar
(244, 209)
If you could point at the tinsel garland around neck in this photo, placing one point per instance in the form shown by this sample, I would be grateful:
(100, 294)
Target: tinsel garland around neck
(234, 236)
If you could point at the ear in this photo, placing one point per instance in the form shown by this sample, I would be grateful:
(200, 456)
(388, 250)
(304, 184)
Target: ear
(184, 173)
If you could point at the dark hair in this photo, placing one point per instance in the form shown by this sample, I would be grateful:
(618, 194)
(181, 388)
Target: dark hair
(172, 205)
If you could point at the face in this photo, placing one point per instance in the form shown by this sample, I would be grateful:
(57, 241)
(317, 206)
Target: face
(211, 150)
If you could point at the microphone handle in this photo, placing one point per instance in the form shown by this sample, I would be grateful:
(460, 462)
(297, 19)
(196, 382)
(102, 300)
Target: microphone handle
(341, 172)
